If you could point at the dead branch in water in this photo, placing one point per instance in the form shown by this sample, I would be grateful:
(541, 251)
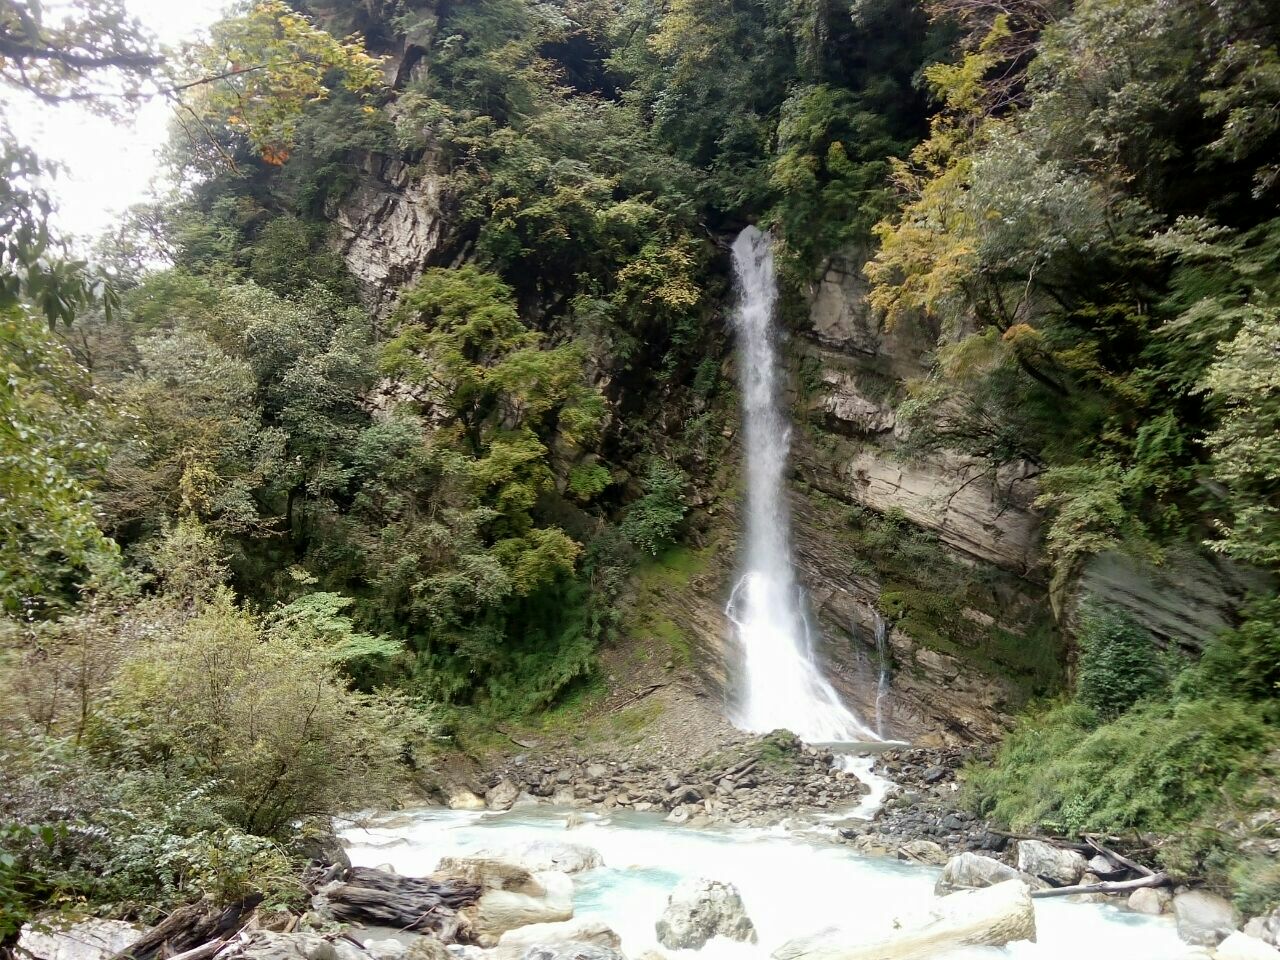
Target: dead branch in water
(1109, 886)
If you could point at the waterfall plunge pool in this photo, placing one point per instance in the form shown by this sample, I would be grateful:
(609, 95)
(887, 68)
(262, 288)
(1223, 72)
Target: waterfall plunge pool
(792, 885)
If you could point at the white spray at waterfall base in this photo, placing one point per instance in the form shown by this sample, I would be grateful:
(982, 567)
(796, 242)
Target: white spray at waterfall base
(781, 684)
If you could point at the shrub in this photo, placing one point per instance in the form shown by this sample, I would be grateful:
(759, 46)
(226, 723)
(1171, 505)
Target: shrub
(264, 715)
(652, 521)
(1119, 663)
(1157, 767)
(1243, 662)
(1256, 881)
(126, 839)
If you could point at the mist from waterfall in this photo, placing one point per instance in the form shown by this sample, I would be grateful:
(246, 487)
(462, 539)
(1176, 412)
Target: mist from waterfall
(780, 683)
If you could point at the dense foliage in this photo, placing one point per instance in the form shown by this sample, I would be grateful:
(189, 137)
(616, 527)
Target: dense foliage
(1189, 757)
(255, 515)
(1088, 220)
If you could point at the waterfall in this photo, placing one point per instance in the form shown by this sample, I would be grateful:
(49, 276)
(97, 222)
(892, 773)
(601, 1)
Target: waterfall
(781, 685)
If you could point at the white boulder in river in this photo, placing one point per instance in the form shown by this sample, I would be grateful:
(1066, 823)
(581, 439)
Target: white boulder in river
(1204, 918)
(538, 855)
(513, 896)
(971, 871)
(86, 940)
(516, 943)
(572, 951)
(990, 917)
(1150, 900)
(1060, 867)
(698, 910)
(1240, 946)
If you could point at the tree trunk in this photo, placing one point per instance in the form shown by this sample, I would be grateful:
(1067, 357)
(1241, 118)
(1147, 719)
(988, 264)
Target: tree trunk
(1110, 886)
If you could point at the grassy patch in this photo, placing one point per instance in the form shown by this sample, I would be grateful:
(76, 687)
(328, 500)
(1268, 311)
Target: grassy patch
(658, 589)
(630, 723)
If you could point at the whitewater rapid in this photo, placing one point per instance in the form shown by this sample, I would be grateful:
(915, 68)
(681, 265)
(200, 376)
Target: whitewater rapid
(780, 685)
(791, 886)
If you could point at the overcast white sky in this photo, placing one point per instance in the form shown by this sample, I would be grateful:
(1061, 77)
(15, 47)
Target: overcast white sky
(108, 166)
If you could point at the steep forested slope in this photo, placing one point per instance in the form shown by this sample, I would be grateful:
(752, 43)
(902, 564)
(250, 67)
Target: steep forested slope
(438, 367)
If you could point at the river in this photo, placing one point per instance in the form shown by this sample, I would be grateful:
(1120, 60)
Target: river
(792, 885)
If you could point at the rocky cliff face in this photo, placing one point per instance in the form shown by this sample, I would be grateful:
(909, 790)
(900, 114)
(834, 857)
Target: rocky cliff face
(940, 549)
(389, 228)
(974, 628)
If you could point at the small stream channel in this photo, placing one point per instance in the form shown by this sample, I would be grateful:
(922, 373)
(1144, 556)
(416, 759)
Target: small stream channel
(792, 885)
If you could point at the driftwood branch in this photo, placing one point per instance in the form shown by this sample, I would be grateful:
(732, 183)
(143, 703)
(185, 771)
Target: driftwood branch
(1118, 858)
(1110, 886)
(1056, 841)
(202, 952)
(407, 903)
(191, 928)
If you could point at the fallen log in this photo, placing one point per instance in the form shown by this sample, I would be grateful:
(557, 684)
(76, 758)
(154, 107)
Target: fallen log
(205, 950)
(1107, 886)
(1055, 841)
(407, 903)
(191, 927)
(1118, 858)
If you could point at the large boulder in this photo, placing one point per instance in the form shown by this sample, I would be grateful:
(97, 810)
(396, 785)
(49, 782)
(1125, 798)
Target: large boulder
(427, 948)
(388, 949)
(569, 940)
(1204, 918)
(462, 798)
(993, 916)
(1266, 927)
(269, 945)
(502, 795)
(567, 931)
(547, 897)
(698, 910)
(86, 940)
(1060, 867)
(539, 855)
(1239, 946)
(923, 851)
(571, 951)
(972, 871)
(1150, 900)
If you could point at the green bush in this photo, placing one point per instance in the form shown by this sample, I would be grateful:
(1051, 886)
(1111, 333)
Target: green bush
(652, 521)
(1256, 881)
(1157, 767)
(127, 839)
(264, 714)
(1242, 662)
(1119, 663)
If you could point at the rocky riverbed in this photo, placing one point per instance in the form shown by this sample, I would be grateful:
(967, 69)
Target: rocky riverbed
(753, 781)
(757, 782)
(565, 856)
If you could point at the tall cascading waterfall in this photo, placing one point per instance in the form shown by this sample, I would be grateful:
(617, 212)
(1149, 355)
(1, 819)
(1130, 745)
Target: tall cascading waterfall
(781, 685)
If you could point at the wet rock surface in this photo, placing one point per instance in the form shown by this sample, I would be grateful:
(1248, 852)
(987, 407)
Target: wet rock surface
(1204, 918)
(923, 805)
(993, 916)
(698, 910)
(752, 781)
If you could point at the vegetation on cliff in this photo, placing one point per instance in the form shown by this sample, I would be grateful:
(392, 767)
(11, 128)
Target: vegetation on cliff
(226, 469)
(1088, 218)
